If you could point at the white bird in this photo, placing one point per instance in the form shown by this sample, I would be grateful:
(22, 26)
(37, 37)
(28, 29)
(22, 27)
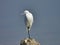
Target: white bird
(28, 20)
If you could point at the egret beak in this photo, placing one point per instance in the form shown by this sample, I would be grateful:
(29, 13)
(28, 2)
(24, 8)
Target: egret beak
(22, 13)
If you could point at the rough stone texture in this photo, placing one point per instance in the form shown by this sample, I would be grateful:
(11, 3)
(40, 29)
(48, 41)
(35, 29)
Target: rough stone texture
(28, 41)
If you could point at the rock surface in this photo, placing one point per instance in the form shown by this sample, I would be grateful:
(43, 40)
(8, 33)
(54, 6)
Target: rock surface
(28, 41)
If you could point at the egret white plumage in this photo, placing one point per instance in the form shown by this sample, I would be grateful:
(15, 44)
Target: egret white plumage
(28, 20)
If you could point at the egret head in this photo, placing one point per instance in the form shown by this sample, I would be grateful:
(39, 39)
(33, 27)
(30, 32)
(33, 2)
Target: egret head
(25, 12)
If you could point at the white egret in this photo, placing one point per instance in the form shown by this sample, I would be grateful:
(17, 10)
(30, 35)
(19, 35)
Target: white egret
(28, 21)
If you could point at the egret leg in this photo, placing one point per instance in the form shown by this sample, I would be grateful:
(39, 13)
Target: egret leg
(28, 34)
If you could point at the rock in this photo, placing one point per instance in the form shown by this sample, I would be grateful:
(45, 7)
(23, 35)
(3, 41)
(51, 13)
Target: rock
(28, 41)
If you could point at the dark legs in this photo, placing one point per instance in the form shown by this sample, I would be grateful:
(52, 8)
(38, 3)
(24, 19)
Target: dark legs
(28, 34)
